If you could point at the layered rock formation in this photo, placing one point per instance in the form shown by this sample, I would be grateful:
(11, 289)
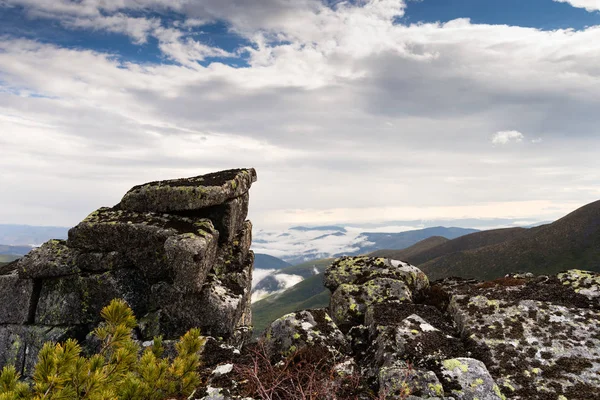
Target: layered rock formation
(177, 251)
(518, 337)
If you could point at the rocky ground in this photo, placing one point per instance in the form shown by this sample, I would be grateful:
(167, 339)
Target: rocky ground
(391, 334)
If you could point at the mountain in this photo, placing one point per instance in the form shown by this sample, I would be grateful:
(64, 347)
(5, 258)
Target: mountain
(14, 250)
(403, 240)
(412, 251)
(6, 258)
(425, 250)
(301, 244)
(571, 242)
(17, 235)
(265, 261)
(310, 293)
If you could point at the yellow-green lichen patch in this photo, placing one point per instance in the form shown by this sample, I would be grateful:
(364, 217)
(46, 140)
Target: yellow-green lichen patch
(453, 363)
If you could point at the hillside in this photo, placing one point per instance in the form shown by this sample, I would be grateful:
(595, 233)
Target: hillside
(265, 261)
(468, 242)
(406, 239)
(6, 249)
(280, 280)
(6, 258)
(571, 242)
(412, 251)
(310, 293)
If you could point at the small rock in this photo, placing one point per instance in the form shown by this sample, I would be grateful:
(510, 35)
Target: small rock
(472, 377)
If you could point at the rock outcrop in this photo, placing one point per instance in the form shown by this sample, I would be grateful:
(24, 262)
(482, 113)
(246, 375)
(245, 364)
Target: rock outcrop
(177, 251)
(519, 337)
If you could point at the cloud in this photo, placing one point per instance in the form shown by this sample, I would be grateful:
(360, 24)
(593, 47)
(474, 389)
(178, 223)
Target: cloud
(505, 137)
(589, 5)
(347, 114)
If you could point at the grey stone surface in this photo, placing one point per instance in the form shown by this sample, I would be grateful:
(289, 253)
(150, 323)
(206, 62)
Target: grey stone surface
(296, 331)
(103, 262)
(473, 379)
(349, 302)
(78, 300)
(51, 259)
(20, 344)
(216, 310)
(400, 381)
(15, 299)
(191, 257)
(538, 338)
(227, 218)
(190, 193)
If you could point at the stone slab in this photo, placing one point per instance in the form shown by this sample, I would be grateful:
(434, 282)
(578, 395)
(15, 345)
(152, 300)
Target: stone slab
(143, 237)
(189, 193)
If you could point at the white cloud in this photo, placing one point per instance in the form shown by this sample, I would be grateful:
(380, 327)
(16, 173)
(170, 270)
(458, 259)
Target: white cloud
(285, 281)
(505, 137)
(346, 115)
(589, 5)
(137, 28)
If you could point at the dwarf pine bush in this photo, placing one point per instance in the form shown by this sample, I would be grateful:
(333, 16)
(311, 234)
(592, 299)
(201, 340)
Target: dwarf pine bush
(120, 370)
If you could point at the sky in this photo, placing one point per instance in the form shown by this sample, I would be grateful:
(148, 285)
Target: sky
(354, 112)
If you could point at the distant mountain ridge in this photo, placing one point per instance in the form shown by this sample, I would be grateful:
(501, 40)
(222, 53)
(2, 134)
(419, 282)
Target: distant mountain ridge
(14, 250)
(303, 244)
(265, 261)
(571, 242)
(19, 235)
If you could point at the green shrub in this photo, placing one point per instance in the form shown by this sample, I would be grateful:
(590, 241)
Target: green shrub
(120, 369)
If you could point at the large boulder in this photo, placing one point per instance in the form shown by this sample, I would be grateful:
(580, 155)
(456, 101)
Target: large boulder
(401, 380)
(297, 331)
(189, 193)
(349, 302)
(359, 270)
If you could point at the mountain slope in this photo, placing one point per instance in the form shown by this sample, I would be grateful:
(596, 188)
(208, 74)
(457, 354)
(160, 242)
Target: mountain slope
(571, 242)
(279, 280)
(468, 242)
(412, 251)
(265, 261)
(402, 240)
(310, 293)
(14, 250)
